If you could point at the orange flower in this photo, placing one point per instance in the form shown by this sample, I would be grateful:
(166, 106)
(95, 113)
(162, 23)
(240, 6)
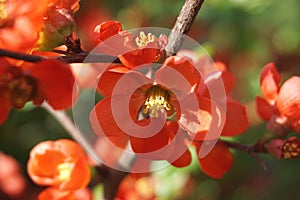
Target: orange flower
(144, 49)
(166, 97)
(136, 188)
(20, 23)
(49, 80)
(280, 105)
(52, 193)
(61, 164)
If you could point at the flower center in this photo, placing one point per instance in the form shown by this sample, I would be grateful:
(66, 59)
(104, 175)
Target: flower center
(157, 100)
(290, 150)
(64, 170)
(144, 39)
(23, 89)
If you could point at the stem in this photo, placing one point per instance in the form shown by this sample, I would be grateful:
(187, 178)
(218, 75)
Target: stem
(21, 56)
(259, 147)
(67, 123)
(82, 57)
(182, 25)
(247, 148)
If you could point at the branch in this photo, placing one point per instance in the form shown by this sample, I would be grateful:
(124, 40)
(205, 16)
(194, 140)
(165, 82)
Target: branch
(21, 56)
(259, 147)
(68, 58)
(182, 25)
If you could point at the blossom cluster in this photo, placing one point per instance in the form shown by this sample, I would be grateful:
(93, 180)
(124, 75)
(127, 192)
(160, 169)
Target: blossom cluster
(157, 106)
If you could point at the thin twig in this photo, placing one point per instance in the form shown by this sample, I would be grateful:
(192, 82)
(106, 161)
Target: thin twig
(21, 56)
(82, 57)
(252, 150)
(67, 123)
(247, 148)
(182, 25)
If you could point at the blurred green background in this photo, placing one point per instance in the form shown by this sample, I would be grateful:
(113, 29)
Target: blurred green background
(245, 35)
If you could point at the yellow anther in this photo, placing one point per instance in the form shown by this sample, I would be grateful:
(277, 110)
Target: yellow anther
(290, 150)
(64, 170)
(144, 39)
(3, 12)
(157, 100)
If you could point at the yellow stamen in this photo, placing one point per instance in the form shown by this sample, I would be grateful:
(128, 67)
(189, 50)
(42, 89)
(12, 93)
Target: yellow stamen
(144, 39)
(64, 170)
(157, 100)
(3, 13)
(290, 150)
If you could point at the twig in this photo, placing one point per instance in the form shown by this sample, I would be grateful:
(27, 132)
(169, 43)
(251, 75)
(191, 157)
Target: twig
(67, 123)
(182, 25)
(68, 58)
(247, 148)
(21, 56)
(252, 150)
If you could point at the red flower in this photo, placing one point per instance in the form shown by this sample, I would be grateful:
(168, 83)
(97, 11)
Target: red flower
(280, 106)
(61, 164)
(21, 22)
(144, 49)
(49, 80)
(155, 100)
(177, 92)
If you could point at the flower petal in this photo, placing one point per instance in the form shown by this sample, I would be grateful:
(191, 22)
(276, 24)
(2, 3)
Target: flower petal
(4, 105)
(105, 30)
(139, 57)
(54, 193)
(217, 162)
(269, 80)
(178, 73)
(110, 38)
(56, 83)
(4, 65)
(181, 155)
(70, 148)
(109, 79)
(155, 147)
(202, 121)
(236, 121)
(288, 101)
(263, 108)
(80, 176)
(214, 80)
(103, 123)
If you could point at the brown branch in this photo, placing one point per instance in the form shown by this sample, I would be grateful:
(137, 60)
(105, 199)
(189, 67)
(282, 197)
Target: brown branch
(85, 57)
(21, 56)
(259, 147)
(182, 25)
(82, 57)
(250, 149)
